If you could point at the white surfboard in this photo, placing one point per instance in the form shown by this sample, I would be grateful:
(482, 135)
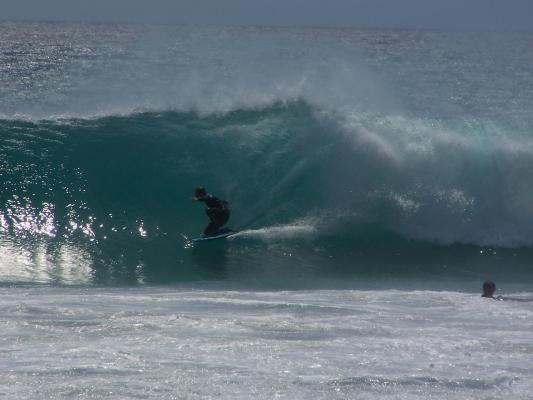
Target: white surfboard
(223, 233)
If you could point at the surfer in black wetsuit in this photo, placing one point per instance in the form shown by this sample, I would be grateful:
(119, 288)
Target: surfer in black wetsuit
(217, 210)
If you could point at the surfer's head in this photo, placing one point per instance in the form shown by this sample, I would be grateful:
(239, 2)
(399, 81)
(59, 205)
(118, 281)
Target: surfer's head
(489, 288)
(199, 192)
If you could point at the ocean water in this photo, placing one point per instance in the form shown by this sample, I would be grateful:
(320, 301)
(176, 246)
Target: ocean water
(164, 343)
(377, 178)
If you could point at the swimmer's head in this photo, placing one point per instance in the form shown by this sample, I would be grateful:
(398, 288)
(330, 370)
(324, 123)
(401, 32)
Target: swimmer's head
(489, 288)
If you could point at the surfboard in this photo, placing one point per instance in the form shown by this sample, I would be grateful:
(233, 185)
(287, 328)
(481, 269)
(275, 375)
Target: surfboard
(222, 233)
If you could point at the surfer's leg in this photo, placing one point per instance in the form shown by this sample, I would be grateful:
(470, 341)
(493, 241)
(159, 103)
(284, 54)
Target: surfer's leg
(223, 216)
(218, 218)
(212, 226)
(210, 229)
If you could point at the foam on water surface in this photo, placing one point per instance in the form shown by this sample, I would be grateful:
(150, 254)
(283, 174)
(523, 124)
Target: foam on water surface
(173, 343)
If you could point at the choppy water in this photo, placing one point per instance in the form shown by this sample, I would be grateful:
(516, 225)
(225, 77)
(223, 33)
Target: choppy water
(181, 344)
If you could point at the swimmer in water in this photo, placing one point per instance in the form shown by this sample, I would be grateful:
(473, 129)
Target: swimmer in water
(489, 288)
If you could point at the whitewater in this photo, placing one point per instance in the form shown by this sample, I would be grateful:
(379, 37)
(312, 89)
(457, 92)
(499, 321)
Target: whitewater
(376, 179)
(181, 343)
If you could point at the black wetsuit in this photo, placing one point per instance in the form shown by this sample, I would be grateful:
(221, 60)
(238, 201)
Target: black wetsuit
(218, 212)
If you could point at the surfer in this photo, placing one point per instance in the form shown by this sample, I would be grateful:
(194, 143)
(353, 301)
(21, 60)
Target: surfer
(217, 210)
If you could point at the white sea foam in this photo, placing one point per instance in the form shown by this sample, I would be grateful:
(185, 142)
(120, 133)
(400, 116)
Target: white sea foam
(175, 343)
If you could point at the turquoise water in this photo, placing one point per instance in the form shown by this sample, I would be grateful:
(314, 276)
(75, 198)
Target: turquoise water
(346, 156)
